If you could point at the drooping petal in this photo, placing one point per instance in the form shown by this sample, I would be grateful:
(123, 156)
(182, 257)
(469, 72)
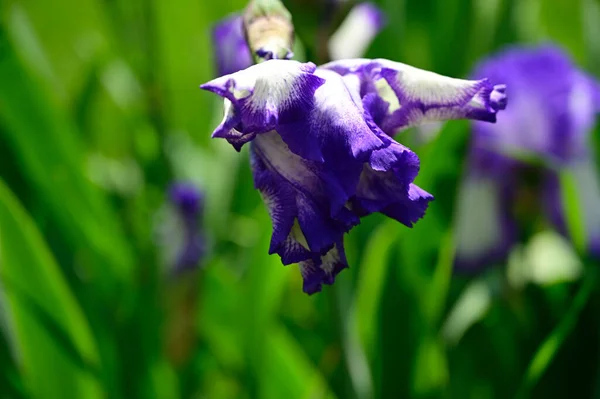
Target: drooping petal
(230, 48)
(423, 96)
(357, 31)
(305, 200)
(264, 95)
(386, 186)
(323, 270)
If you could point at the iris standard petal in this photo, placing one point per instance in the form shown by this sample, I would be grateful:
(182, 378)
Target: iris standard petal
(230, 48)
(264, 95)
(335, 129)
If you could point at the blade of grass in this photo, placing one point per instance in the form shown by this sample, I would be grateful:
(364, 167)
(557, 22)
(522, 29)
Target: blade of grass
(552, 344)
(52, 333)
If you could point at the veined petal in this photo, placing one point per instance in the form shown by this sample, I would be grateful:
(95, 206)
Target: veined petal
(357, 31)
(423, 96)
(426, 96)
(230, 48)
(263, 95)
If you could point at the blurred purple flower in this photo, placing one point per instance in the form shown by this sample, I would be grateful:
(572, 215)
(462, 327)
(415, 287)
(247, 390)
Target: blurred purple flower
(231, 51)
(187, 245)
(551, 117)
(322, 155)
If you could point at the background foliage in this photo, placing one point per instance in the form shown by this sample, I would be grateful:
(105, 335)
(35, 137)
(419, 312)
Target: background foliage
(100, 110)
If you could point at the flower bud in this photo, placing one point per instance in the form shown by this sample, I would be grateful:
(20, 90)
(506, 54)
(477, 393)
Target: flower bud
(269, 30)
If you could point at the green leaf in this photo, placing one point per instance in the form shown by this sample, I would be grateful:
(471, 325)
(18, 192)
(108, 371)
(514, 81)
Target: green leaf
(562, 22)
(52, 338)
(287, 371)
(370, 285)
(552, 344)
(50, 156)
(572, 210)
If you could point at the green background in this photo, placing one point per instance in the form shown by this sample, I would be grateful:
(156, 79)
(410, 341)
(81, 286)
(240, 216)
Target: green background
(100, 111)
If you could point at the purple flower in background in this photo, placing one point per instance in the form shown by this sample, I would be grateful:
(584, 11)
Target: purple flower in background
(180, 232)
(321, 151)
(357, 31)
(551, 117)
(231, 50)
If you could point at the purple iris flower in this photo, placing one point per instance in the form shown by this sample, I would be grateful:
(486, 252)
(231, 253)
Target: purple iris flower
(322, 156)
(231, 50)
(550, 120)
(186, 243)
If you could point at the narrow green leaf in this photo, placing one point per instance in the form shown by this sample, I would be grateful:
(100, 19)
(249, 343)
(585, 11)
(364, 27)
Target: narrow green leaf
(51, 157)
(570, 200)
(373, 271)
(552, 344)
(47, 324)
(287, 371)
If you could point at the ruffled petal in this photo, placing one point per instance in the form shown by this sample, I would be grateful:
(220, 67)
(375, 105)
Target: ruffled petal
(264, 95)
(230, 48)
(357, 31)
(410, 208)
(386, 186)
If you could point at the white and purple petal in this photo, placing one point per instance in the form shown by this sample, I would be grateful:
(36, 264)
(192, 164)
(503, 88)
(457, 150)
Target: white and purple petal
(357, 31)
(306, 202)
(323, 269)
(421, 96)
(264, 95)
(230, 48)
